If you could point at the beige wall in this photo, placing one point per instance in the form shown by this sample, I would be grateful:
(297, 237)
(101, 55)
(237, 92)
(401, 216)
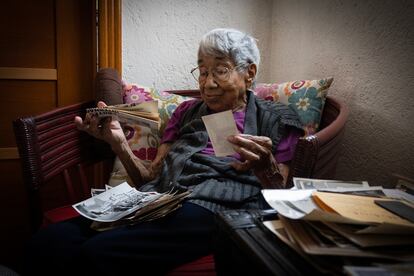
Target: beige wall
(160, 37)
(367, 46)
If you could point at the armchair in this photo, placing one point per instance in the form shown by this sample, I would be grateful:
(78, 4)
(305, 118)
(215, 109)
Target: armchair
(60, 165)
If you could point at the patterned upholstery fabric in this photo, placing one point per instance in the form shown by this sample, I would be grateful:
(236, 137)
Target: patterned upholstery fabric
(306, 97)
(143, 140)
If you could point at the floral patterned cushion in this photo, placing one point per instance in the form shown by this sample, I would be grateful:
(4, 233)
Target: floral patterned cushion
(306, 97)
(167, 102)
(143, 140)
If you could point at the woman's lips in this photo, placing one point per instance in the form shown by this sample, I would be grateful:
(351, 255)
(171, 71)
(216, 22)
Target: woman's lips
(208, 95)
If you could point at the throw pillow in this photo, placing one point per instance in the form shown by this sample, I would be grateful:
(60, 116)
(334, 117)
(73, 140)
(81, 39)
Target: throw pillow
(143, 140)
(306, 97)
(167, 102)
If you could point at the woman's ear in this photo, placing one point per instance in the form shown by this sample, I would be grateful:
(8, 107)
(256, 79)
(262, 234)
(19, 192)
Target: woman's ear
(250, 74)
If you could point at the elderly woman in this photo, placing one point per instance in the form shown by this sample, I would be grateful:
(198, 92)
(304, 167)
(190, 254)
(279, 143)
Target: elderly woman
(228, 62)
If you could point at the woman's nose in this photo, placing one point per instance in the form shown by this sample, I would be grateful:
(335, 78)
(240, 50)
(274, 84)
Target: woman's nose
(210, 81)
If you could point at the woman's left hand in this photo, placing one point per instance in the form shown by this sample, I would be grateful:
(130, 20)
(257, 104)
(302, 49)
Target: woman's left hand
(256, 151)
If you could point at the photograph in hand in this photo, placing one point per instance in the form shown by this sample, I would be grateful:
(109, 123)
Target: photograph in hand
(220, 126)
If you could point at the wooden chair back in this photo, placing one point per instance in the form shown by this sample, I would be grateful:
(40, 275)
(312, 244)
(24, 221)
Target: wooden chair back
(59, 163)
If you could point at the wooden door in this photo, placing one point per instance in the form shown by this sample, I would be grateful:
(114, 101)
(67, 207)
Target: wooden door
(47, 60)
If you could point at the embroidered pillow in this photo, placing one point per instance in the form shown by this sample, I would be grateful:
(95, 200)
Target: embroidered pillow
(167, 102)
(143, 140)
(306, 97)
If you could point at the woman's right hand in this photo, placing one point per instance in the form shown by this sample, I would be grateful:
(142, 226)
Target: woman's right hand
(107, 129)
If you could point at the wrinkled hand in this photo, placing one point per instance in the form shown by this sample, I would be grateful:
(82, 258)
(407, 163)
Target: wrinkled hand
(105, 129)
(256, 151)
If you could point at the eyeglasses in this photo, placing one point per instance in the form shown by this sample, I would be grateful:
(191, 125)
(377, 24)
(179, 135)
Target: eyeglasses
(220, 73)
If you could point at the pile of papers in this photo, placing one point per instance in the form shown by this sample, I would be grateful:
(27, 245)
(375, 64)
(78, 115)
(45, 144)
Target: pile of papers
(346, 221)
(124, 205)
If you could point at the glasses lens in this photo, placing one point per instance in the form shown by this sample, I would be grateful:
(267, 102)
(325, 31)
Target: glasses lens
(221, 73)
(196, 73)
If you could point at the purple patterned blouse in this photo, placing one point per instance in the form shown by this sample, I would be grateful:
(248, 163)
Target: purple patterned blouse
(284, 151)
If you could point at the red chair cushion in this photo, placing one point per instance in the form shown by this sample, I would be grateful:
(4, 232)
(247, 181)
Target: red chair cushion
(200, 267)
(59, 214)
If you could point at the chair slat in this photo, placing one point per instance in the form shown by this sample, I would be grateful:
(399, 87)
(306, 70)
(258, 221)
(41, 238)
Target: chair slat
(62, 158)
(84, 183)
(57, 140)
(70, 147)
(69, 185)
(53, 131)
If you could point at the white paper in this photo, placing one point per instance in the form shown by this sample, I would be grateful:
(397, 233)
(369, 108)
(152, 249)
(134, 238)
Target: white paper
(294, 204)
(308, 183)
(115, 203)
(220, 126)
(398, 194)
(298, 204)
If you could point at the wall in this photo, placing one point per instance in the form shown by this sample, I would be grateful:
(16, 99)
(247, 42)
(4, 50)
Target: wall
(160, 38)
(367, 46)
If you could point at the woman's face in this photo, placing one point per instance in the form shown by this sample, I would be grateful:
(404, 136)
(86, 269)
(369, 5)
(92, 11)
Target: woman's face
(222, 87)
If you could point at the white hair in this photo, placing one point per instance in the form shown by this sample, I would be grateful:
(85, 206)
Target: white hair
(241, 48)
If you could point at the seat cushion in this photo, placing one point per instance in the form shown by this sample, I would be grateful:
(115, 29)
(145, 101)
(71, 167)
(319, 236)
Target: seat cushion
(203, 266)
(59, 214)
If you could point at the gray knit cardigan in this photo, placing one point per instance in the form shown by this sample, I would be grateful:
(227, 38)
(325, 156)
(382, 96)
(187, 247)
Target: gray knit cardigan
(215, 185)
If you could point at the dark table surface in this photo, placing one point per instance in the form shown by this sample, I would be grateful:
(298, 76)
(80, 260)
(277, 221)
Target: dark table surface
(246, 247)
